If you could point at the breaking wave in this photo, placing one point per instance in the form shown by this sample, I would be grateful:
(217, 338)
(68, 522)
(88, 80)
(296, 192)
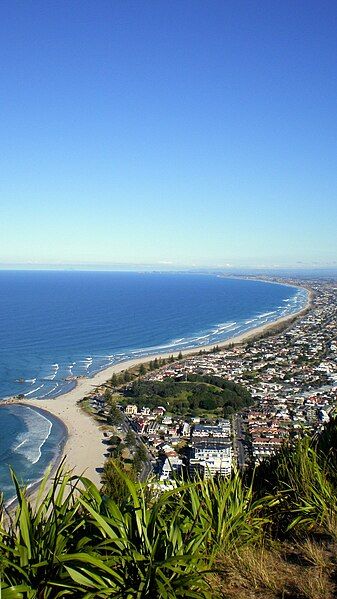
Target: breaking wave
(30, 442)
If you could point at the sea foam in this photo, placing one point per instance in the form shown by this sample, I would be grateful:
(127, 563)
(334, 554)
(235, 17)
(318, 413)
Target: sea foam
(30, 442)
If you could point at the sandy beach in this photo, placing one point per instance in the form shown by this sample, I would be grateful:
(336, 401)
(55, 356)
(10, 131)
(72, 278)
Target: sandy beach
(84, 449)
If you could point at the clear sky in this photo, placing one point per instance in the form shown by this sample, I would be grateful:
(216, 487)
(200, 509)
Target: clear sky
(170, 132)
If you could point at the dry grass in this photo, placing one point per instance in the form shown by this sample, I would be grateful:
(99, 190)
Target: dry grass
(301, 571)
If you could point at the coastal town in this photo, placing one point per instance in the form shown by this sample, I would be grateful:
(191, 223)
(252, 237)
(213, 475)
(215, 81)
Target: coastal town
(291, 379)
(168, 299)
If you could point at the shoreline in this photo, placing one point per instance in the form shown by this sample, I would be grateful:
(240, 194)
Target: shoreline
(53, 465)
(83, 449)
(151, 352)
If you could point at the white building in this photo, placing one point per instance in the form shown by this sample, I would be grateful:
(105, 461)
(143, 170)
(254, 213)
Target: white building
(211, 456)
(186, 429)
(171, 467)
(131, 409)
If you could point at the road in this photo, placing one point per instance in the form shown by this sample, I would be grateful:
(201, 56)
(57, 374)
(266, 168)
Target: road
(147, 466)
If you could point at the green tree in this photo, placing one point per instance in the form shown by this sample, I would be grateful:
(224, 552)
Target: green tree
(114, 380)
(115, 415)
(130, 438)
(180, 356)
(142, 370)
(139, 459)
(107, 395)
(114, 484)
(127, 376)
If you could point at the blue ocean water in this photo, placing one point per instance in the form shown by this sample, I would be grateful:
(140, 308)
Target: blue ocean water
(30, 439)
(57, 325)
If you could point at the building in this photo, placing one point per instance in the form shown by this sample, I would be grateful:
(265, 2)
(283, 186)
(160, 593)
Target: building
(210, 456)
(204, 430)
(131, 409)
(171, 468)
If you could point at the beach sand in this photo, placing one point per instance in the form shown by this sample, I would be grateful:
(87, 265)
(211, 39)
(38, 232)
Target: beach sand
(84, 448)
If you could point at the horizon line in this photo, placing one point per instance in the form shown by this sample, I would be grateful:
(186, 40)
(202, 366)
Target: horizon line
(99, 266)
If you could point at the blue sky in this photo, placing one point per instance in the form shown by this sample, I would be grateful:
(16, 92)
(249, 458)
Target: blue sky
(168, 132)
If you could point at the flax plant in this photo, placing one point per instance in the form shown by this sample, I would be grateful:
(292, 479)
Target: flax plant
(143, 550)
(33, 538)
(72, 541)
(302, 478)
(227, 510)
(313, 497)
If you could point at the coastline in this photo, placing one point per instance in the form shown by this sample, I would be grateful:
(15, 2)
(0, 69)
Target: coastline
(83, 450)
(53, 465)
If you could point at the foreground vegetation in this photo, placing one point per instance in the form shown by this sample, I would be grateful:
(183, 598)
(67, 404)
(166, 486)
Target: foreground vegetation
(271, 533)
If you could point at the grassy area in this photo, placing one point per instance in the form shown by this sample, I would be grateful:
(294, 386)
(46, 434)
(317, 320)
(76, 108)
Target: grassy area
(85, 406)
(303, 570)
(197, 396)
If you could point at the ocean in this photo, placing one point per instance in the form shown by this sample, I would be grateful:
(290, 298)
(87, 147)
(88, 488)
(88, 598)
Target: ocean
(57, 325)
(30, 440)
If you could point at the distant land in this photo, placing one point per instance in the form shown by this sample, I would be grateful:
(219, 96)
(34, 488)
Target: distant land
(299, 270)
